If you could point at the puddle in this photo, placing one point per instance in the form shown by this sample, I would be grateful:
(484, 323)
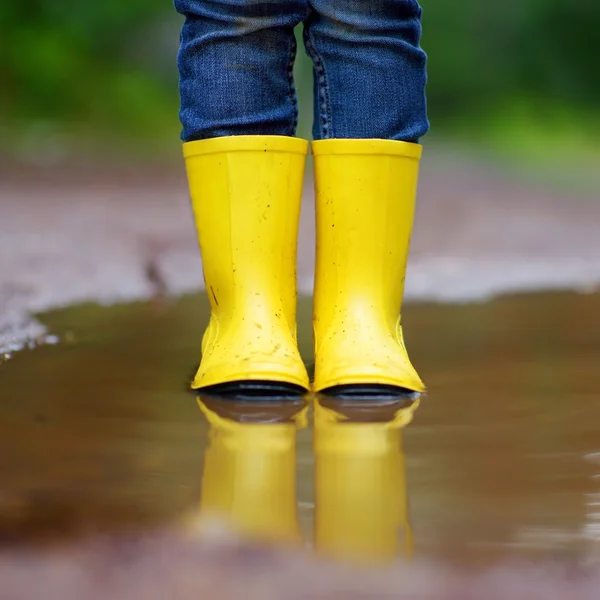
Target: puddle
(501, 459)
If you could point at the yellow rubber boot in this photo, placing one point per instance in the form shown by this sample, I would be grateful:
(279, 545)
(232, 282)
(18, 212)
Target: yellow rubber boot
(365, 201)
(246, 193)
(360, 486)
(249, 478)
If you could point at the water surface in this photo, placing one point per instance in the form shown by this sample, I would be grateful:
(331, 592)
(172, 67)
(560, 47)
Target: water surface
(501, 459)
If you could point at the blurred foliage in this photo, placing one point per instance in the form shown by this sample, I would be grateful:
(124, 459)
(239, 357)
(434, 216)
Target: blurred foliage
(110, 65)
(87, 63)
(487, 57)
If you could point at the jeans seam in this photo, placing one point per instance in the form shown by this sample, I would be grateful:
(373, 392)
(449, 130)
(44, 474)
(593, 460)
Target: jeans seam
(292, 88)
(325, 121)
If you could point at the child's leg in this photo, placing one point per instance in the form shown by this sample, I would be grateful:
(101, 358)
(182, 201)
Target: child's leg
(238, 110)
(369, 69)
(370, 83)
(235, 65)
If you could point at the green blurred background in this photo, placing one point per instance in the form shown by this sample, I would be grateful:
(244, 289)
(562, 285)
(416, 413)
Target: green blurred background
(519, 77)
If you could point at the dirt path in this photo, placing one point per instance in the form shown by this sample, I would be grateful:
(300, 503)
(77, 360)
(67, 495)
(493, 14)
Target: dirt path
(173, 566)
(108, 237)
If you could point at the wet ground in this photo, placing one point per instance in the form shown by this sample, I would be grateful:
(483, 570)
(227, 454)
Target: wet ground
(501, 462)
(70, 235)
(116, 481)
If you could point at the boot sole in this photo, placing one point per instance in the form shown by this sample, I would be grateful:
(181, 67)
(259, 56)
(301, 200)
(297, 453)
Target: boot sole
(368, 392)
(254, 390)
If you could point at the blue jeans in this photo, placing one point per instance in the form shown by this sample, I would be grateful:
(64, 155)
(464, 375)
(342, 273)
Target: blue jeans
(236, 68)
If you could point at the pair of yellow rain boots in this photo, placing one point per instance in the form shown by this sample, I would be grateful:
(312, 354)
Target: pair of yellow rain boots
(246, 193)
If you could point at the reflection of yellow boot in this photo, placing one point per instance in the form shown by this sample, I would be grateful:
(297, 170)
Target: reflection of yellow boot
(360, 488)
(246, 193)
(365, 200)
(249, 476)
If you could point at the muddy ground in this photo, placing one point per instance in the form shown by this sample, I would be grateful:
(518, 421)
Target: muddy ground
(509, 384)
(170, 565)
(117, 234)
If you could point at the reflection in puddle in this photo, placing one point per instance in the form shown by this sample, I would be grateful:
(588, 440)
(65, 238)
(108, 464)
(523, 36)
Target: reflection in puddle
(249, 477)
(360, 479)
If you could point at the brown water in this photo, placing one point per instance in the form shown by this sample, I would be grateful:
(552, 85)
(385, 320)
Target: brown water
(502, 458)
